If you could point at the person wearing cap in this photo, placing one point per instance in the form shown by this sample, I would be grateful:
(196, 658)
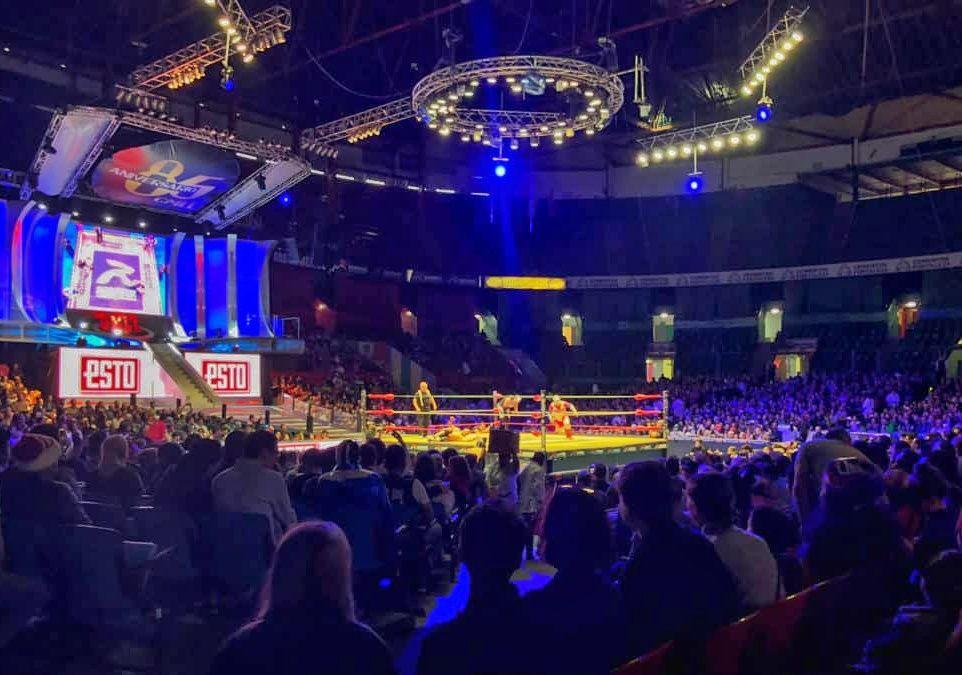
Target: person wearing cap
(29, 490)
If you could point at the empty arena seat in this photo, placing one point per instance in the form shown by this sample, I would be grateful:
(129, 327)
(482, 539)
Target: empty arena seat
(236, 550)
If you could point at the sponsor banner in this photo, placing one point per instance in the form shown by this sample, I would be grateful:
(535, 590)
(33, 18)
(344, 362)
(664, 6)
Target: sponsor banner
(303, 446)
(114, 272)
(112, 373)
(179, 176)
(922, 263)
(229, 375)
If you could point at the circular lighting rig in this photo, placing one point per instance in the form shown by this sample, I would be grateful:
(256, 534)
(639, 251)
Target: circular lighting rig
(571, 96)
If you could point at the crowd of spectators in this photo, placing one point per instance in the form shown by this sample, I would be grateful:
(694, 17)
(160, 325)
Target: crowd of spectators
(655, 551)
(739, 408)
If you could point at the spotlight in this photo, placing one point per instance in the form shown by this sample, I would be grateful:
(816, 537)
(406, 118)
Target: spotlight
(717, 143)
(702, 146)
(41, 206)
(694, 183)
(108, 218)
(514, 144)
(227, 78)
(286, 199)
(765, 109)
(223, 22)
(657, 155)
(642, 159)
(798, 37)
(142, 224)
(746, 90)
(751, 137)
(500, 170)
(672, 152)
(686, 149)
(734, 140)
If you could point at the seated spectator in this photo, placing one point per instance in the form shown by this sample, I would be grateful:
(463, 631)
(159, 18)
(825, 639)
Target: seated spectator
(253, 485)
(468, 492)
(168, 454)
(367, 457)
(442, 499)
(233, 450)
(577, 542)
(747, 557)
(781, 534)
(483, 637)
(407, 495)
(924, 638)
(937, 531)
(852, 528)
(187, 486)
(114, 479)
(28, 490)
(310, 466)
(357, 501)
(674, 586)
(306, 622)
(810, 463)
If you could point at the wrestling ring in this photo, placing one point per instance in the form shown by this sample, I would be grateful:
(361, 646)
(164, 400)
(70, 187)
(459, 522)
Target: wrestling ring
(567, 428)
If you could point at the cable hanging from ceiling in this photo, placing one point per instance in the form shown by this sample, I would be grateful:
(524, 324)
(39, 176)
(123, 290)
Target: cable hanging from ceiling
(341, 85)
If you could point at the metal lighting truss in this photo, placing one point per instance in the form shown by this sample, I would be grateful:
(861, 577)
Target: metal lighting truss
(209, 51)
(702, 133)
(357, 126)
(247, 196)
(47, 148)
(436, 97)
(775, 41)
(238, 18)
(218, 139)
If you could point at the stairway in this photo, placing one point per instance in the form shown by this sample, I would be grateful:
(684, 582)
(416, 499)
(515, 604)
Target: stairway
(196, 390)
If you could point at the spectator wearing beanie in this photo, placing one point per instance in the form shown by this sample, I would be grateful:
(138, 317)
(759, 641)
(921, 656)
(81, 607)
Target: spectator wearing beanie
(28, 490)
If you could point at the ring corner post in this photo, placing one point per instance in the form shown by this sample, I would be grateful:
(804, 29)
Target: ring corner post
(361, 410)
(544, 425)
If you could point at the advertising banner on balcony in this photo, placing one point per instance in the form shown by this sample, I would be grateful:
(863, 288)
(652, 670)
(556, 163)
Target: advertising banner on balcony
(179, 176)
(85, 373)
(229, 375)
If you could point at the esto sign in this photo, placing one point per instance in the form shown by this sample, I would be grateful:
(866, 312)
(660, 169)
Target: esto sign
(227, 377)
(108, 375)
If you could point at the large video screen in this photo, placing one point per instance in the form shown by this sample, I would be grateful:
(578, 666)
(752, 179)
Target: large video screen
(115, 272)
(179, 176)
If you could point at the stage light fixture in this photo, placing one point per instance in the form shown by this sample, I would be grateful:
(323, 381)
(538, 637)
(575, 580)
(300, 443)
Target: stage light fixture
(765, 109)
(717, 143)
(500, 170)
(142, 224)
(42, 206)
(734, 140)
(751, 137)
(227, 78)
(657, 156)
(694, 183)
(286, 199)
(248, 58)
(514, 144)
(642, 159)
(108, 218)
(223, 22)
(672, 152)
(702, 146)
(686, 150)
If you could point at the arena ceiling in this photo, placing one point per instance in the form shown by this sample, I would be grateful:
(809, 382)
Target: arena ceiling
(344, 56)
